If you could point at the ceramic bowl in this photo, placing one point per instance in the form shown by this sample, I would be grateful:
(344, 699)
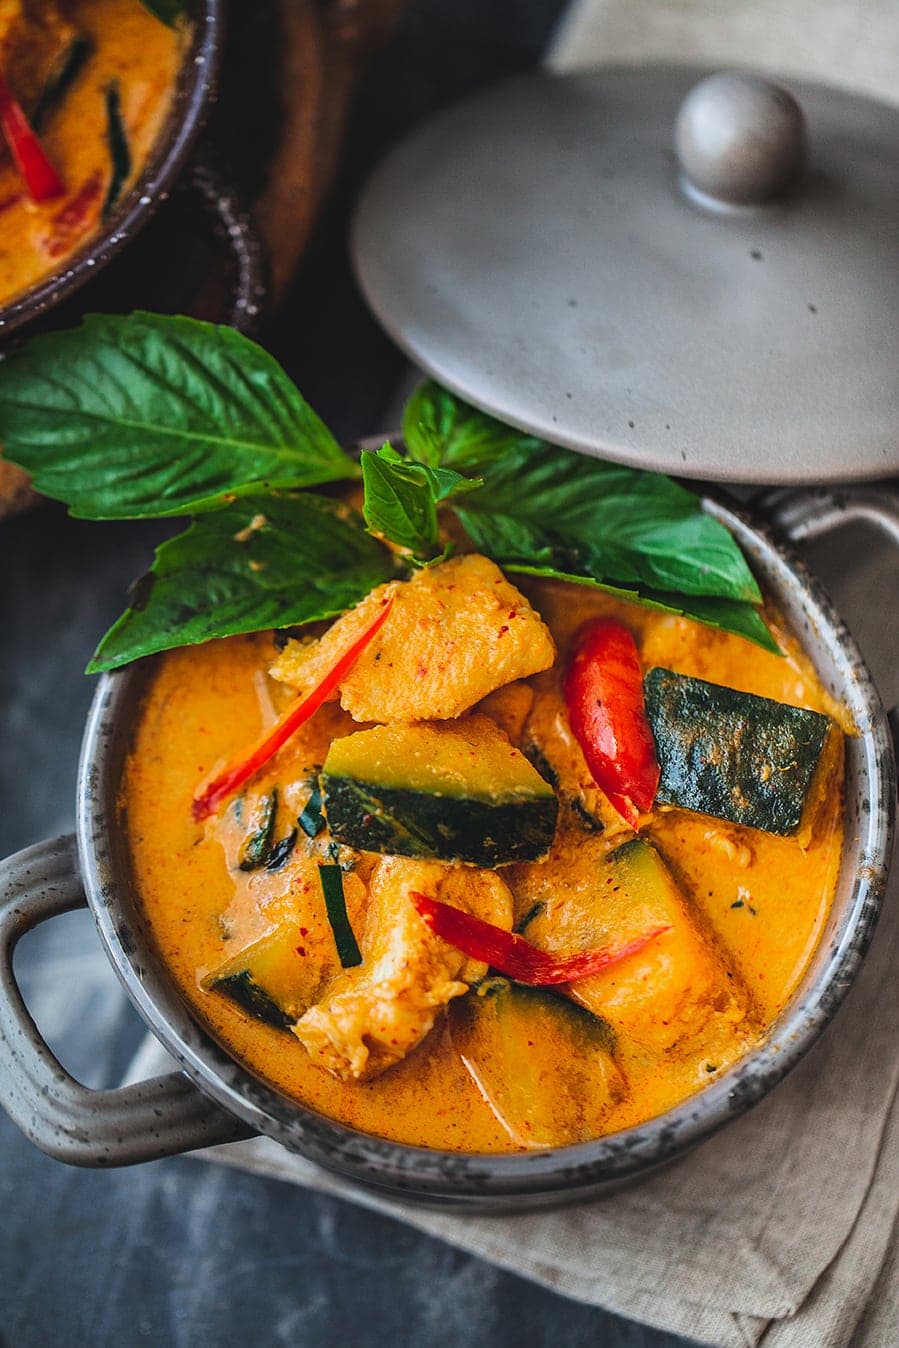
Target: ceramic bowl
(212, 1097)
(194, 93)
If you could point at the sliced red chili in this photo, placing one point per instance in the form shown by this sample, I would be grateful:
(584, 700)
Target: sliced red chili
(41, 178)
(607, 713)
(225, 783)
(510, 954)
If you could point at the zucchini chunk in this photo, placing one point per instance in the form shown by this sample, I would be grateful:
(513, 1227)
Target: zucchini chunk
(457, 794)
(543, 1064)
(268, 979)
(733, 755)
(678, 991)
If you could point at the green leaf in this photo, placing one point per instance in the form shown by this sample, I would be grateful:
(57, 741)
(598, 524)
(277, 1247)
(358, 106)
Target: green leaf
(63, 75)
(119, 149)
(543, 510)
(399, 503)
(727, 615)
(260, 562)
(401, 499)
(441, 429)
(608, 521)
(348, 951)
(147, 415)
(257, 849)
(167, 11)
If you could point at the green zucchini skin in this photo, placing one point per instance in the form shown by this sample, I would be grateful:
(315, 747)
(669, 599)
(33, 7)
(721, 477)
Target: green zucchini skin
(408, 823)
(253, 999)
(732, 755)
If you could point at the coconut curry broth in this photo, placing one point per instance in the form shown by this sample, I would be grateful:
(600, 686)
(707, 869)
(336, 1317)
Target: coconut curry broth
(81, 70)
(746, 907)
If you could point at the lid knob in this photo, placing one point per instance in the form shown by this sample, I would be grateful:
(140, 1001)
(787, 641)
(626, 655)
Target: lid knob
(739, 139)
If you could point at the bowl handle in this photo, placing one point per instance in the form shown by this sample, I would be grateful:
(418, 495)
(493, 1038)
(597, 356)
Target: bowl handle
(161, 1117)
(239, 235)
(804, 513)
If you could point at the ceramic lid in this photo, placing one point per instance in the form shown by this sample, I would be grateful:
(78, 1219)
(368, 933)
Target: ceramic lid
(697, 275)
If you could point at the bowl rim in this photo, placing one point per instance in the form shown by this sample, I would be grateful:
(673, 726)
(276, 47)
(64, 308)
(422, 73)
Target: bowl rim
(194, 92)
(446, 1177)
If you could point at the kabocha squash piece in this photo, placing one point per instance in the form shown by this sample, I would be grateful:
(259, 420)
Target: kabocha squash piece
(372, 1016)
(269, 979)
(544, 1065)
(675, 992)
(457, 631)
(459, 793)
(733, 755)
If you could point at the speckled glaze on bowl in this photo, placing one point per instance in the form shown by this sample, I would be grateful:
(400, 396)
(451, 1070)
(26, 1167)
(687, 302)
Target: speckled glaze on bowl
(215, 1098)
(194, 91)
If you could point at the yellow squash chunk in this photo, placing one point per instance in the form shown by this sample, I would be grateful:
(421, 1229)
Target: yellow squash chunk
(677, 992)
(544, 1065)
(374, 1015)
(457, 631)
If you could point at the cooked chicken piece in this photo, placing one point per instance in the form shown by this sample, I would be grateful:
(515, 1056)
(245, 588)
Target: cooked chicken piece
(33, 34)
(456, 632)
(509, 708)
(376, 1014)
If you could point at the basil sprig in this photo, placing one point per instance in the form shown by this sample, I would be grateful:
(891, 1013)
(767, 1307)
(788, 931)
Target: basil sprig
(550, 512)
(402, 497)
(145, 415)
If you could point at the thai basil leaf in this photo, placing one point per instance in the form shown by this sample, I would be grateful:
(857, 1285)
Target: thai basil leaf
(312, 818)
(260, 562)
(348, 951)
(167, 11)
(147, 415)
(281, 852)
(63, 75)
(257, 849)
(119, 150)
(401, 499)
(441, 429)
(727, 615)
(604, 520)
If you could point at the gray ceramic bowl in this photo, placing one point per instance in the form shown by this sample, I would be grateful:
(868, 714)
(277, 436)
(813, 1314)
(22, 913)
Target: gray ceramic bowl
(213, 1098)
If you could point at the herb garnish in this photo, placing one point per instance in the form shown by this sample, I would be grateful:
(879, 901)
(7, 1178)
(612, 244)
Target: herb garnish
(146, 415)
(119, 149)
(257, 849)
(348, 952)
(167, 11)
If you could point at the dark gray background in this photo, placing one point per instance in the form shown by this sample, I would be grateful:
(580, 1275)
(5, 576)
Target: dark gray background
(180, 1252)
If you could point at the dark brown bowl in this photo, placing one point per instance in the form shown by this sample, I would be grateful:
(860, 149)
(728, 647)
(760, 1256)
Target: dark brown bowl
(194, 92)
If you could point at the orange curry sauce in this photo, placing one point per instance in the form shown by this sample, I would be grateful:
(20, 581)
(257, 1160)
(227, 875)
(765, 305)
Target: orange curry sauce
(756, 903)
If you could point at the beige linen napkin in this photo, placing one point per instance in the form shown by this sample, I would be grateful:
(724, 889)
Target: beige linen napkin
(781, 1230)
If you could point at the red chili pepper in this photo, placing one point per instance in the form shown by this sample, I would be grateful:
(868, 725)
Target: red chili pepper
(515, 957)
(607, 712)
(41, 178)
(209, 797)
